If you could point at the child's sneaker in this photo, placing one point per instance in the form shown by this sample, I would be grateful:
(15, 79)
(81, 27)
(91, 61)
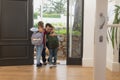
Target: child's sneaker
(54, 63)
(39, 65)
(50, 65)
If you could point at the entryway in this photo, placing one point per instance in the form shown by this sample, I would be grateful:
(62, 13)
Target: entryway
(16, 19)
(67, 18)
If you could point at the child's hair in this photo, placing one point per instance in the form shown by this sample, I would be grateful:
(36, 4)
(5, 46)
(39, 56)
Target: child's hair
(48, 24)
(40, 24)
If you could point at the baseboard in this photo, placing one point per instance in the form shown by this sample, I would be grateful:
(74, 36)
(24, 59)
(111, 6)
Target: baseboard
(109, 65)
(87, 62)
(113, 66)
(116, 66)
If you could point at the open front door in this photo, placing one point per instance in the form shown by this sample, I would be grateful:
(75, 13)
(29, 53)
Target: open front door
(15, 21)
(75, 32)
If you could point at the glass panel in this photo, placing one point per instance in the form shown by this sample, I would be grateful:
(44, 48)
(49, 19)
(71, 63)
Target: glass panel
(75, 28)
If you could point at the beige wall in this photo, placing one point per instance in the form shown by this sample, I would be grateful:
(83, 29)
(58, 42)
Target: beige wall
(112, 55)
(89, 23)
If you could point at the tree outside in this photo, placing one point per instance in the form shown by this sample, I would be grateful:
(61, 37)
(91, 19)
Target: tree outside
(53, 11)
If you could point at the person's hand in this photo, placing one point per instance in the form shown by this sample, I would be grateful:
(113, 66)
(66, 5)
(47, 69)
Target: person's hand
(53, 34)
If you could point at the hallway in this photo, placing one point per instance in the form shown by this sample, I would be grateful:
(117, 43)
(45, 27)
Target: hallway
(60, 72)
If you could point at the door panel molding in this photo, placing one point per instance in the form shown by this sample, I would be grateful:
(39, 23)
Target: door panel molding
(10, 15)
(16, 18)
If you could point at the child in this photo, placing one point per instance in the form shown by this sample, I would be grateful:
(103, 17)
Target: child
(39, 46)
(52, 46)
(47, 30)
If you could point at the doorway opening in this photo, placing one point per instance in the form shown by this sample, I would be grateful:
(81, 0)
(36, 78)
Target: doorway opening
(65, 15)
(67, 18)
(54, 12)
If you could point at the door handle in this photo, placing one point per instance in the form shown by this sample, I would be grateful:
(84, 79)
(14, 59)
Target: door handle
(101, 21)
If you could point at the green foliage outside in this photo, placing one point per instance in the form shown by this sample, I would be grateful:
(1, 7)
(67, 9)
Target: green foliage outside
(35, 15)
(55, 6)
(51, 15)
(35, 25)
(61, 31)
(64, 32)
(77, 33)
(58, 24)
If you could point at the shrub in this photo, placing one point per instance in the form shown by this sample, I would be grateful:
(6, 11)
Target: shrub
(61, 31)
(45, 15)
(77, 33)
(58, 24)
(35, 15)
(35, 25)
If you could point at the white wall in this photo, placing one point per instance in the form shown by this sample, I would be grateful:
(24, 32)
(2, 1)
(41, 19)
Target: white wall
(109, 44)
(118, 2)
(109, 55)
(112, 58)
(89, 24)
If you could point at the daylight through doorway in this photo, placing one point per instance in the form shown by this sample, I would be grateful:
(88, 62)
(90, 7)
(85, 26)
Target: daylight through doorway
(54, 12)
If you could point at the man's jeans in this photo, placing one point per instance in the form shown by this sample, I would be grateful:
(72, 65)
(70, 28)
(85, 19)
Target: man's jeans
(44, 55)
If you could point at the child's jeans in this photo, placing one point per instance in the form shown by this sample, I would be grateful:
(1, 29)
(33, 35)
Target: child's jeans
(39, 49)
(53, 54)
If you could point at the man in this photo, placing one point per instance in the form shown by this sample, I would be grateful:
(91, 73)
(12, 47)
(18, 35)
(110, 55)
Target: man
(47, 30)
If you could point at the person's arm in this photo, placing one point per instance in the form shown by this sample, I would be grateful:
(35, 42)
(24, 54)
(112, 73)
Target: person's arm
(53, 34)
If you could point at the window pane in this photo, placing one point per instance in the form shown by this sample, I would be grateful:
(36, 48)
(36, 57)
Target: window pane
(75, 28)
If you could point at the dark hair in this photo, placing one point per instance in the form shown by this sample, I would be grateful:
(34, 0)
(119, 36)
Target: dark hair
(48, 24)
(40, 24)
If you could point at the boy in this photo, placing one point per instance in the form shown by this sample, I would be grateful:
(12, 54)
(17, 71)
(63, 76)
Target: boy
(48, 28)
(52, 44)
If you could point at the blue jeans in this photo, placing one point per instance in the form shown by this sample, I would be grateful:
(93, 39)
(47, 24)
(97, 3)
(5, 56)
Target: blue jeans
(39, 49)
(53, 54)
